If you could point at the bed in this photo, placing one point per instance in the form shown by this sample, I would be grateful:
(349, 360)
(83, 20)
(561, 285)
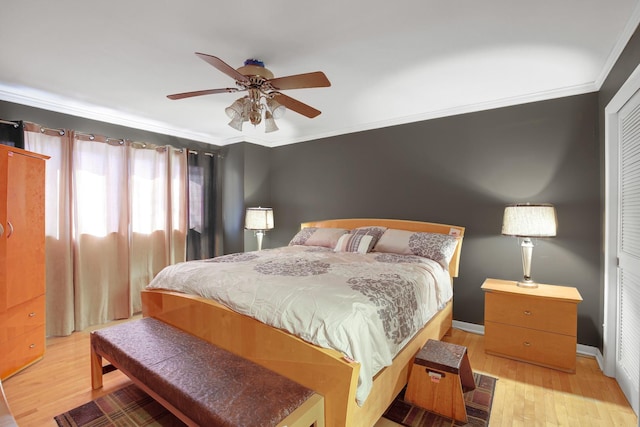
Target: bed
(329, 371)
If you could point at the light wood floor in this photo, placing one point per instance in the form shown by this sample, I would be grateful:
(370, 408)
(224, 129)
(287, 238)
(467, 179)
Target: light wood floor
(526, 395)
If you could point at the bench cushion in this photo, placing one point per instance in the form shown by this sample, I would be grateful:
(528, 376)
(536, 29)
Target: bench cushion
(212, 386)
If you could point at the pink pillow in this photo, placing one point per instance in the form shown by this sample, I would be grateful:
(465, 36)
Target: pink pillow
(314, 236)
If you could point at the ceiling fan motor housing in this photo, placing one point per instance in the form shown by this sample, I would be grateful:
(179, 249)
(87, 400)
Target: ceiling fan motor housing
(253, 67)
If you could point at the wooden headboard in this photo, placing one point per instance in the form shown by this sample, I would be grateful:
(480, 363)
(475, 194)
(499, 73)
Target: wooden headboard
(399, 224)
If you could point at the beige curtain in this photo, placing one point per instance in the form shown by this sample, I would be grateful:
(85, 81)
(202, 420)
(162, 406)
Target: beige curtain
(127, 201)
(58, 225)
(100, 195)
(158, 214)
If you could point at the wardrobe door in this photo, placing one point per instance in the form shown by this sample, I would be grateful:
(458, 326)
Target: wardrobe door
(25, 228)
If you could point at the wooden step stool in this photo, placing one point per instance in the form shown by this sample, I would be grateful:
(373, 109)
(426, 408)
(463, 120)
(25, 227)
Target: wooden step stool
(439, 377)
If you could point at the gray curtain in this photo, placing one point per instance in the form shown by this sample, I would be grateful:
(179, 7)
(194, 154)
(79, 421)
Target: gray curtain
(201, 235)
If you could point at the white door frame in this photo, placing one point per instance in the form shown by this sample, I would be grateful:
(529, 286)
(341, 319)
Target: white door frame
(628, 89)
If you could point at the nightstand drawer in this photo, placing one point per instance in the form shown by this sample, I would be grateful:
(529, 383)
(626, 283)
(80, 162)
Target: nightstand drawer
(530, 312)
(544, 348)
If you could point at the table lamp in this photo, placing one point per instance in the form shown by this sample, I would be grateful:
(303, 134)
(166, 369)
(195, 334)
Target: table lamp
(527, 221)
(259, 220)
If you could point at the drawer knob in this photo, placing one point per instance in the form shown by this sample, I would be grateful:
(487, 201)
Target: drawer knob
(527, 344)
(32, 346)
(527, 313)
(32, 314)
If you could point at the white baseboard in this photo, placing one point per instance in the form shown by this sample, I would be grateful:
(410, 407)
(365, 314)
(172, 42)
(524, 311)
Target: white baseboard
(469, 327)
(584, 350)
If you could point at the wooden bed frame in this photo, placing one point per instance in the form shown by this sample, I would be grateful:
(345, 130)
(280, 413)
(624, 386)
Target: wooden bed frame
(323, 370)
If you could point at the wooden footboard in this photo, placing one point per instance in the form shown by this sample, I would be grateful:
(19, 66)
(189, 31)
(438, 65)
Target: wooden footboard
(319, 369)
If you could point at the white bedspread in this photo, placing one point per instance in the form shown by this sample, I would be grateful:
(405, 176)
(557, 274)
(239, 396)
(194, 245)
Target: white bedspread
(367, 306)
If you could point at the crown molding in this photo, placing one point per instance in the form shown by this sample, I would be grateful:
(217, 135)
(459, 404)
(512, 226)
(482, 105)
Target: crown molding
(61, 105)
(623, 40)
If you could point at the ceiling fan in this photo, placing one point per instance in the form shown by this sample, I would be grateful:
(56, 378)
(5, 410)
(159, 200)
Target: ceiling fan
(261, 85)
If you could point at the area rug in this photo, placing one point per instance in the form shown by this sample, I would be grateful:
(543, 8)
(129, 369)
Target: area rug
(127, 407)
(478, 403)
(131, 407)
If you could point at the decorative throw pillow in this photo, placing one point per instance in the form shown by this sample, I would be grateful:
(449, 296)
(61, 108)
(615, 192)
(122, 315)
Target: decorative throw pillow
(360, 243)
(314, 236)
(435, 246)
(374, 231)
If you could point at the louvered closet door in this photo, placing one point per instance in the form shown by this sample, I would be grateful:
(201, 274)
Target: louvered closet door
(628, 335)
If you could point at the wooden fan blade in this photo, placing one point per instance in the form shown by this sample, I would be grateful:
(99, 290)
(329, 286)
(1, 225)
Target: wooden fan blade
(299, 81)
(201, 92)
(295, 105)
(224, 67)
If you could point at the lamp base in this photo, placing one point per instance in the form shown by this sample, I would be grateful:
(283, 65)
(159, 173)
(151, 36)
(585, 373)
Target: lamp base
(259, 236)
(527, 284)
(527, 250)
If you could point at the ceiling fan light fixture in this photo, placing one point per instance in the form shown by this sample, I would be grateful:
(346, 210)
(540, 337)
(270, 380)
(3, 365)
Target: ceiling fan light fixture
(276, 108)
(236, 123)
(269, 122)
(235, 110)
(255, 117)
(263, 90)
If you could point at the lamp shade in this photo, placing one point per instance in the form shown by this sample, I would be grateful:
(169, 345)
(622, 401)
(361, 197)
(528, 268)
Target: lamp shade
(236, 110)
(258, 219)
(529, 220)
(276, 108)
(269, 123)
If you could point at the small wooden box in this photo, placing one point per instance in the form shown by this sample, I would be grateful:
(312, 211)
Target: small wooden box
(440, 375)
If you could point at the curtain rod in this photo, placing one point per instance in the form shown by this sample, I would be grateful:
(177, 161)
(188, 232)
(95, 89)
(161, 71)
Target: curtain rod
(7, 122)
(34, 127)
(206, 154)
(92, 137)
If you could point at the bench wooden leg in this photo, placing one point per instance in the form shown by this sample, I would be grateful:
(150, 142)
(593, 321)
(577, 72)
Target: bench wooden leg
(96, 370)
(310, 413)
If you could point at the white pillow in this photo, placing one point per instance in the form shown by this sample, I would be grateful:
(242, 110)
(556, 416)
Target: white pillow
(315, 236)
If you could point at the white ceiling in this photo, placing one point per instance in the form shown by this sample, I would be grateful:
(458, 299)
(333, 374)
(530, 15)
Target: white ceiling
(388, 62)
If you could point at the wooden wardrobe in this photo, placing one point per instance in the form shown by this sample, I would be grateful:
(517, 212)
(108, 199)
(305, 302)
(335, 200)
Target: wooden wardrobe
(22, 259)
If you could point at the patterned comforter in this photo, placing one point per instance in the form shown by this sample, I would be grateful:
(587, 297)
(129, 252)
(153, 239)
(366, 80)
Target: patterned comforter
(367, 306)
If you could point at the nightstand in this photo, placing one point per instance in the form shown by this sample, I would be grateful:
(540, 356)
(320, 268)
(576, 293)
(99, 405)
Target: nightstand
(533, 325)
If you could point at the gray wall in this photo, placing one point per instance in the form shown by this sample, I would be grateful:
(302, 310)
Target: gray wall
(233, 173)
(245, 184)
(462, 170)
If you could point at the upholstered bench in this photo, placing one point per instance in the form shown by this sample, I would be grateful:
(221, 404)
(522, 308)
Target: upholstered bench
(200, 383)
